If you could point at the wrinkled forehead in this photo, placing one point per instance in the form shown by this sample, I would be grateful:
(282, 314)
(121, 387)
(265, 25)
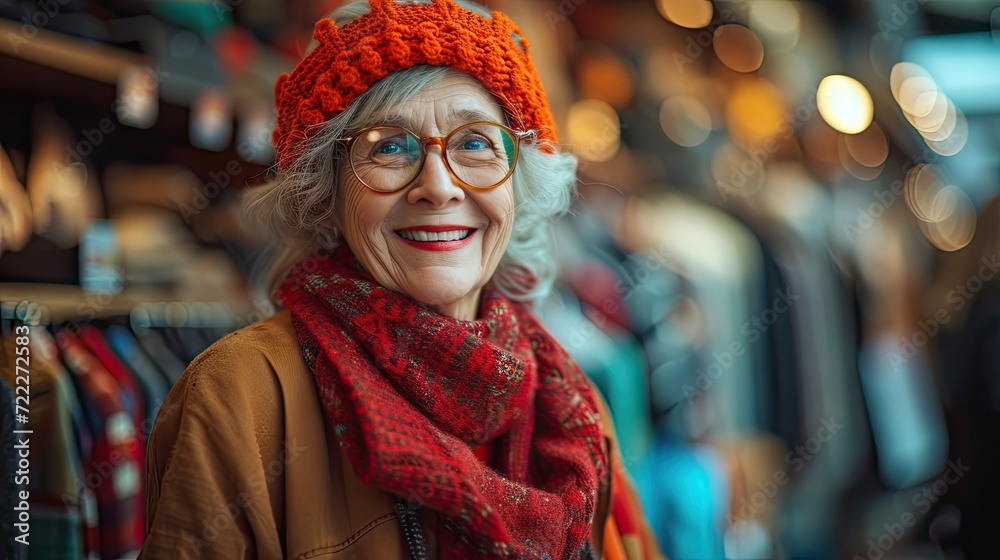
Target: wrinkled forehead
(446, 104)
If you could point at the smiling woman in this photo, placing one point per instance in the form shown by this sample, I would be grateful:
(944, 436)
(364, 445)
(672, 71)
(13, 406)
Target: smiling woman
(432, 222)
(430, 413)
(296, 208)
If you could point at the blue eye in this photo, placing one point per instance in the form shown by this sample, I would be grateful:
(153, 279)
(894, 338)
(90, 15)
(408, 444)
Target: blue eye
(475, 144)
(389, 149)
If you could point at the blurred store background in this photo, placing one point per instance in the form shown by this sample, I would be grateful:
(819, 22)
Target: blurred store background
(781, 271)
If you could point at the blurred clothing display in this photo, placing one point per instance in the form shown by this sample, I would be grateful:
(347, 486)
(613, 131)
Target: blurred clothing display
(64, 196)
(15, 209)
(94, 396)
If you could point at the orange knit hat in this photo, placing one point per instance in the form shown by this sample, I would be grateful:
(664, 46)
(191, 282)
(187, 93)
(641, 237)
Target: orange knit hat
(394, 36)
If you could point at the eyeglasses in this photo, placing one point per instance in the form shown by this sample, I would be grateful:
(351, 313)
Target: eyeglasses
(480, 155)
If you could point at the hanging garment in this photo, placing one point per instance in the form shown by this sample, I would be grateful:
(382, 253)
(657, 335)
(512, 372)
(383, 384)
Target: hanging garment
(112, 472)
(56, 467)
(151, 381)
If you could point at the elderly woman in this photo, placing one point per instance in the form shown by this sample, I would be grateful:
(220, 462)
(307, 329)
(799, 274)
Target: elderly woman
(405, 402)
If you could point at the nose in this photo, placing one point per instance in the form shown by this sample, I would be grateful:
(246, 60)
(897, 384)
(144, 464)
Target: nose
(435, 184)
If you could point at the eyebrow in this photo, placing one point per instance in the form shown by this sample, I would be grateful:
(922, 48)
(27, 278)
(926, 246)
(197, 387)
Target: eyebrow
(455, 117)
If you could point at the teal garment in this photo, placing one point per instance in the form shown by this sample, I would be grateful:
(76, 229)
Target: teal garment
(688, 498)
(205, 17)
(55, 534)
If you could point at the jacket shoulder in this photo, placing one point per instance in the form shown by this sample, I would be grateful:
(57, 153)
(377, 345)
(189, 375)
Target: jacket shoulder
(222, 423)
(244, 359)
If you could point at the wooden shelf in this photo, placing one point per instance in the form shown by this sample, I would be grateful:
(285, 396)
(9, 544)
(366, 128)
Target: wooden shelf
(98, 62)
(63, 303)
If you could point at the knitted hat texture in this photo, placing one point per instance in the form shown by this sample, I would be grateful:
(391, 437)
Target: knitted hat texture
(392, 36)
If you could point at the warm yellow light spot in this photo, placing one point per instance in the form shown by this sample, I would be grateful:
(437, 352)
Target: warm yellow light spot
(845, 104)
(756, 113)
(593, 130)
(604, 75)
(692, 14)
(738, 48)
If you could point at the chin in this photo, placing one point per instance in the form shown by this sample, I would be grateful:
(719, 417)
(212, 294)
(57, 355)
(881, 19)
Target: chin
(441, 291)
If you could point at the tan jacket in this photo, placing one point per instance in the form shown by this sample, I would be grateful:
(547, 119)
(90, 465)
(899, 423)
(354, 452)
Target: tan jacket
(240, 464)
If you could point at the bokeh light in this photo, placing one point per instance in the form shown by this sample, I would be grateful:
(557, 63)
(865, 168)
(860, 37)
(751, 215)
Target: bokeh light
(685, 120)
(755, 112)
(852, 165)
(738, 48)
(945, 214)
(777, 20)
(869, 147)
(692, 14)
(593, 130)
(955, 141)
(926, 107)
(845, 103)
(603, 74)
(957, 225)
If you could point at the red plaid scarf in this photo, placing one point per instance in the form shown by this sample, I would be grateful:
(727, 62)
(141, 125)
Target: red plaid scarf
(410, 393)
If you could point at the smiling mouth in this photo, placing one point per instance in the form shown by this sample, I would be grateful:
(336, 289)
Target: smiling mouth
(434, 236)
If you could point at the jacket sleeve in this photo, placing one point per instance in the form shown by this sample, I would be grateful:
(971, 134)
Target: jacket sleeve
(209, 494)
(627, 534)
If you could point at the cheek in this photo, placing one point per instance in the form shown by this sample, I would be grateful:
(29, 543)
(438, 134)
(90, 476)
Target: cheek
(498, 205)
(361, 211)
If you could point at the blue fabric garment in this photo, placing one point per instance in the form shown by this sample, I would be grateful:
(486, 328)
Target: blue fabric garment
(152, 383)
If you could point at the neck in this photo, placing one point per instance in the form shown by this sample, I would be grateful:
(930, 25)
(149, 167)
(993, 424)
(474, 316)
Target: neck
(464, 309)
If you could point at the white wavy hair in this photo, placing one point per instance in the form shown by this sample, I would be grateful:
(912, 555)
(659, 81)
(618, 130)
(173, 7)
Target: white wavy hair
(294, 211)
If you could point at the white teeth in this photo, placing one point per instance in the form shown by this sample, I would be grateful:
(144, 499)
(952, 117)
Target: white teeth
(455, 235)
